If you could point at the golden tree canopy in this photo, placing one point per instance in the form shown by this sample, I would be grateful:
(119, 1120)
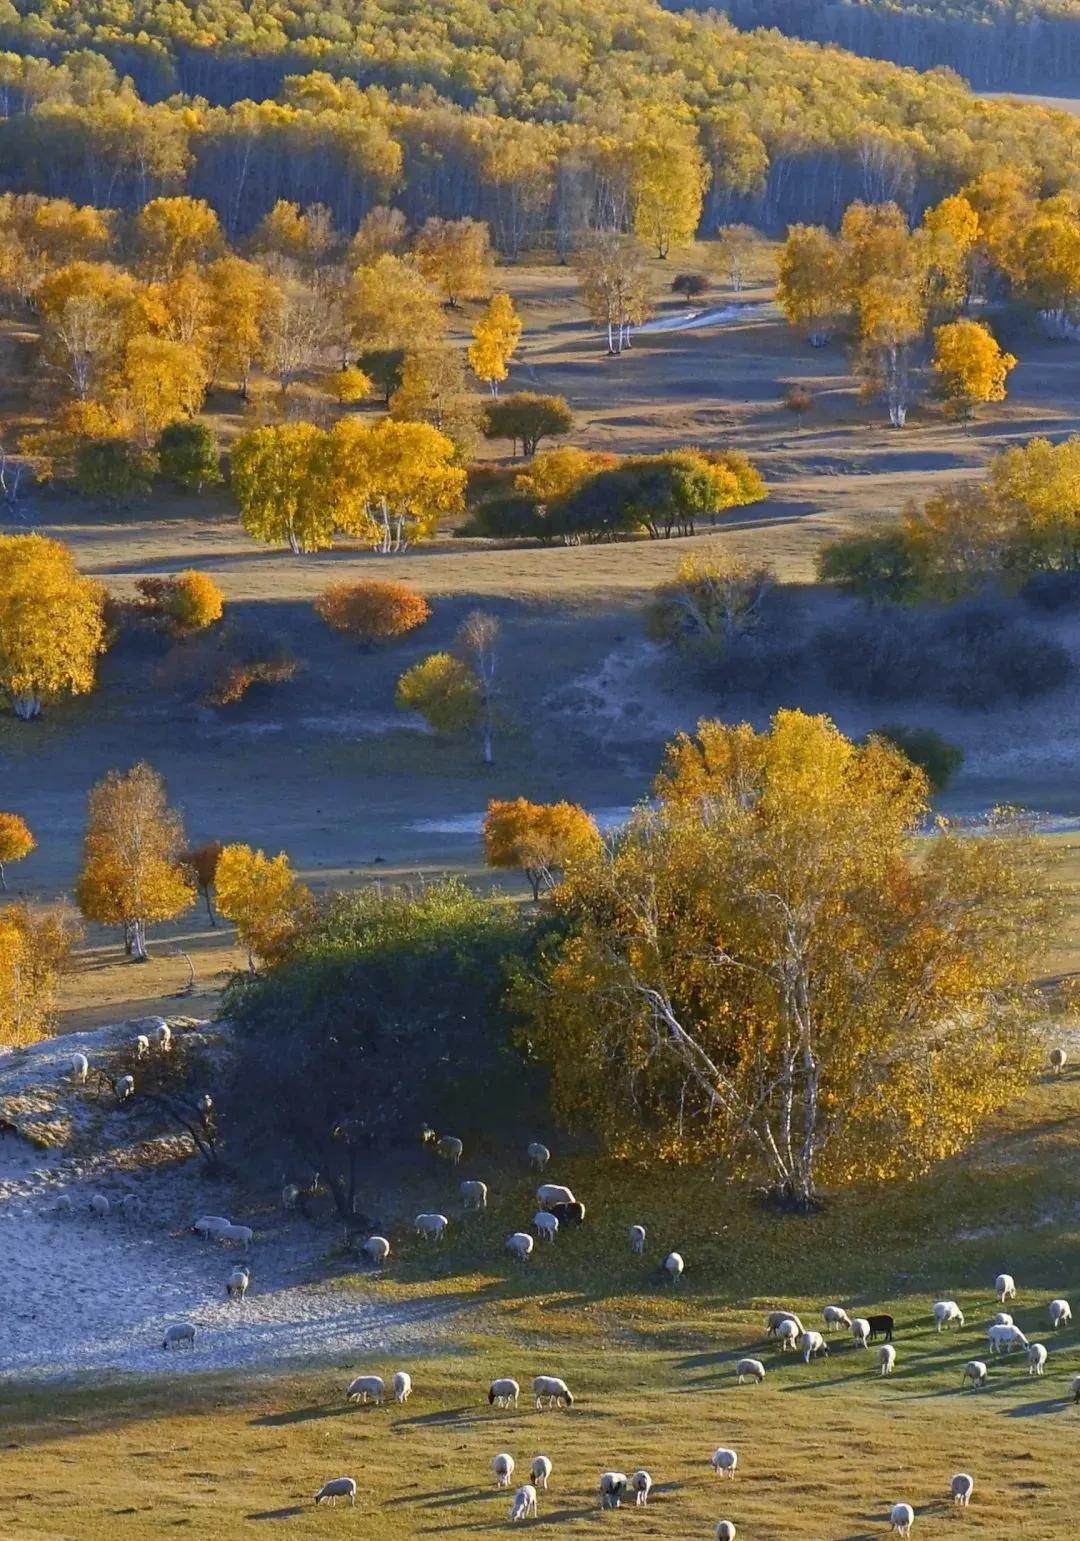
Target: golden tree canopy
(539, 839)
(282, 493)
(263, 897)
(970, 364)
(16, 842)
(52, 626)
(36, 942)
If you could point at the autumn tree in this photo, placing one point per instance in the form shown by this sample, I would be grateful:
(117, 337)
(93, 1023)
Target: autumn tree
(88, 313)
(382, 232)
(131, 872)
(350, 385)
(538, 839)
(950, 233)
(183, 604)
(392, 305)
(734, 252)
(454, 255)
(52, 626)
(113, 470)
(456, 692)
(263, 898)
(714, 598)
(809, 286)
(434, 389)
(159, 382)
(884, 273)
(495, 339)
(242, 305)
(201, 863)
(389, 483)
(529, 418)
(375, 610)
(172, 232)
(296, 330)
(282, 495)
(188, 456)
(553, 474)
(16, 842)
(668, 180)
(970, 364)
(36, 943)
(768, 968)
(616, 285)
(1047, 265)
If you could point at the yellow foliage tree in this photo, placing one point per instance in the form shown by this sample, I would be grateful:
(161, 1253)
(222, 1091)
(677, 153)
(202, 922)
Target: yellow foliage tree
(172, 232)
(556, 473)
(88, 312)
(390, 483)
(668, 181)
(444, 690)
(159, 382)
(281, 490)
(16, 842)
(132, 874)
(52, 626)
(495, 339)
(970, 364)
(351, 385)
(809, 285)
(263, 898)
(36, 942)
(242, 301)
(769, 967)
(539, 839)
(392, 305)
(1047, 267)
(454, 255)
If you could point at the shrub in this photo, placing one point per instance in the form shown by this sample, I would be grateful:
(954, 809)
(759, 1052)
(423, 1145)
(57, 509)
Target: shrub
(875, 567)
(351, 385)
(692, 285)
(711, 600)
(506, 518)
(877, 655)
(798, 399)
(932, 753)
(376, 610)
(530, 418)
(188, 455)
(113, 470)
(383, 366)
(189, 602)
(1052, 590)
(219, 668)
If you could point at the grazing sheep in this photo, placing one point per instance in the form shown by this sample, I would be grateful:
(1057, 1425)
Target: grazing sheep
(1036, 1358)
(99, 1206)
(180, 1332)
(557, 1392)
(524, 1504)
(240, 1233)
(376, 1249)
(881, 1327)
(540, 1471)
(749, 1367)
(80, 1067)
(812, 1344)
(774, 1318)
(125, 1088)
(835, 1316)
(161, 1032)
(1060, 1313)
(637, 1239)
(553, 1193)
(538, 1155)
(545, 1224)
(290, 1195)
(947, 1311)
(725, 1530)
(1002, 1319)
(724, 1462)
(205, 1104)
(503, 1467)
(902, 1517)
(236, 1285)
(431, 1225)
(504, 1393)
(860, 1331)
(142, 1046)
(567, 1214)
(673, 1266)
(1004, 1339)
(520, 1244)
(961, 1487)
(787, 1334)
(337, 1487)
(450, 1149)
(401, 1385)
(64, 1204)
(365, 1386)
(887, 1358)
(130, 1206)
(612, 1488)
(474, 1195)
(641, 1483)
(1005, 1287)
(210, 1225)
(1058, 1060)
(976, 1372)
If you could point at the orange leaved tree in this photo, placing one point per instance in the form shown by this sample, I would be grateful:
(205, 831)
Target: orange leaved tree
(52, 626)
(538, 839)
(16, 842)
(264, 899)
(376, 610)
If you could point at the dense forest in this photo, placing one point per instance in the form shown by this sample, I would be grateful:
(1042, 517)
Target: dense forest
(526, 115)
(1020, 45)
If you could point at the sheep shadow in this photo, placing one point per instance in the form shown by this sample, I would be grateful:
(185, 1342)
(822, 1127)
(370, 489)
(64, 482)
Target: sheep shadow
(301, 1415)
(288, 1513)
(432, 1499)
(459, 1415)
(1038, 1409)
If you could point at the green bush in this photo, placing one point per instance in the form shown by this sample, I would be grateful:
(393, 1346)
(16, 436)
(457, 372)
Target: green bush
(927, 749)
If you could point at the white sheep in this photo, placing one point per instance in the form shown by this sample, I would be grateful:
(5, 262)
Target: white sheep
(337, 1487)
(812, 1344)
(558, 1393)
(724, 1462)
(99, 1206)
(64, 1204)
(749, 1367)
(205, 1104)
(474, 1195)
(860, 1331)
(503, 1467)
(538, 1155)
(887, 1358)
(401, 1385)
(524, 1504)
(243, 1234)
(211, 1225)
(1036, 1358)
(637, 1239)
(612, 1488)
(520, 1244)
(142, 1046)
(554, 1193)
(1004, 1339)
(179, 1332)
(125, 1087)
(725, 1530)
(961, 1487)
(365, 1387)
(545, 1225)
(130, 1206)
(946, 1311)
(450, 1149)
(1058, 1060)
(976, 1372)
(674, 1266)
(161, 1033)
(540, 1471)
(80, 1067)
(835, 1316)
(1060, 1313)
(774, 1318)
(641, 1484)
(290, 1195)
(236, 1285)
(1002, 1319)
(431, 1225)
(902, 1517)
(504, 1392)
(376, 1249)
(1005, 1287)
(787, 1334)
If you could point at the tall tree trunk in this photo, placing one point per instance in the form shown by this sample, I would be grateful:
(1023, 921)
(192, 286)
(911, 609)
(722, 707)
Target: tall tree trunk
(138, 942)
